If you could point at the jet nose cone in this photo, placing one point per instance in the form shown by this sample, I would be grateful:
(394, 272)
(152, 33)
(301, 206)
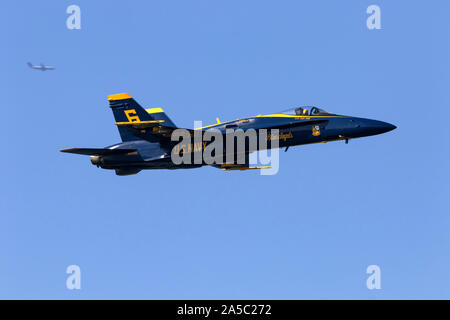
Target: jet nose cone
(385, 127)
(368, 127)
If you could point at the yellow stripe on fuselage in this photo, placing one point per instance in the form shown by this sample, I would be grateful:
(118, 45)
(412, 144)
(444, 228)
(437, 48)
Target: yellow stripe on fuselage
(212, 125)
(275, 115)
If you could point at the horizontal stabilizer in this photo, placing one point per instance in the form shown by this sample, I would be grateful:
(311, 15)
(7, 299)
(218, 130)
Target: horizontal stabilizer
(97, 151)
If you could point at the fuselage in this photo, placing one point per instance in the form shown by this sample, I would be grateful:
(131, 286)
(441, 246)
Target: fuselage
(293, 130)
(151, 140)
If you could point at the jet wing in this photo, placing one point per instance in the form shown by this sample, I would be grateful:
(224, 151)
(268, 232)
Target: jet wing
(239, 166)
(97, 151)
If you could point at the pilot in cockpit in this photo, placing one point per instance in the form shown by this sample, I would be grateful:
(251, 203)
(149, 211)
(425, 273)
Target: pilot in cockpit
(301, 112)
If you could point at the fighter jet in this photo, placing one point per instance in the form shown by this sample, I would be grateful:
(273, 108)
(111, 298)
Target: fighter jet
(147, 136)
(41, 67)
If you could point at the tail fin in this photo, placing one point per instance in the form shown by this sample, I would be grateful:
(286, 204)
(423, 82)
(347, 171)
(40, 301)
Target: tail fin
(126, 109)
(159, 114)
(29, 64)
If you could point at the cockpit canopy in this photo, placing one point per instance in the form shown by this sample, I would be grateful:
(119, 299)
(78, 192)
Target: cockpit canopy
(306, 111)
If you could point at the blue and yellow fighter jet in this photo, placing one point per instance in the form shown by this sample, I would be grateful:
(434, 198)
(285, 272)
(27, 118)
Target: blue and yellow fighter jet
(146, 135)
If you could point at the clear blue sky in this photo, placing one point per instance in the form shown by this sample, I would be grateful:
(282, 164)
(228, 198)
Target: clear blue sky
(308, 232)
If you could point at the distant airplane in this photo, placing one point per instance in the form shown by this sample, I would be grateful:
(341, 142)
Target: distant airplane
(41, 67)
